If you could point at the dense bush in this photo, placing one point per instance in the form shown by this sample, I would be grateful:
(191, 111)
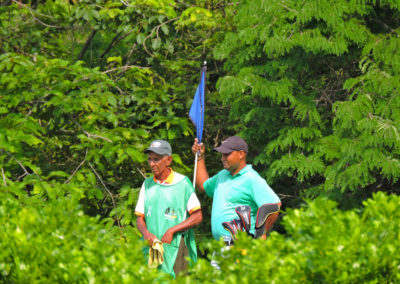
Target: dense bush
(58, 243)
(324, 245)
(55, 242)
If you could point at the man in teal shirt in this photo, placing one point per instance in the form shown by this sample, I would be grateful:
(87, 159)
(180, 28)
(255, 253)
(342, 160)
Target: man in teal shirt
(238, 184)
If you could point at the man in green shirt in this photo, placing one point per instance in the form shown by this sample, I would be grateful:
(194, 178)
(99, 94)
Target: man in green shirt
(167, 208)
(238, 185)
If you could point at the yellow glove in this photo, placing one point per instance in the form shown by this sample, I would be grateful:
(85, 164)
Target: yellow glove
(156, 254)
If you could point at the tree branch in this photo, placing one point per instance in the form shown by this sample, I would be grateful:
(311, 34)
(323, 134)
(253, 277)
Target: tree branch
(113, 42)
(87, 133)
(77, 168)
(124, 68)
(109, 192)
(287, 8)
(125, 3)
(22, 166)
(97, 136)
(86, 45)
(156, 28)
(102, 182)
(128, 56)
(19, 163)
(4, 177)
(37, 19)
(386, 26)
(143, 175)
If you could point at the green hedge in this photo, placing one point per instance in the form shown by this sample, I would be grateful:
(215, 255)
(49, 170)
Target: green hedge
(45, 241)
(324, 245)
(53, 241)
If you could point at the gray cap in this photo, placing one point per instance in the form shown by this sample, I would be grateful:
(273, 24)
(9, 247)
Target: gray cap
(160, 147)
(233, 143)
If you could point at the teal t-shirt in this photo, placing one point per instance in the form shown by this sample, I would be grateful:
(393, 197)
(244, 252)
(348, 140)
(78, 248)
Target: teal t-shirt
(228, 192)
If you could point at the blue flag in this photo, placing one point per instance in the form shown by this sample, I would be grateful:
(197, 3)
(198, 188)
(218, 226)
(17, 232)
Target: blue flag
(196, 112)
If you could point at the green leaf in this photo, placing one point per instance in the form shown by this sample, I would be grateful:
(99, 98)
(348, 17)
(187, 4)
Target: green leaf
(156, 43)
(112, 100)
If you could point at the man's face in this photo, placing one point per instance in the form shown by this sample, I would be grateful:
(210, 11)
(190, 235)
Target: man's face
(158, 163)
(231, 161)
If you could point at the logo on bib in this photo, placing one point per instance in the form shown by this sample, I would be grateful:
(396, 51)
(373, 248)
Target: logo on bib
(148, 214)
(170, 213)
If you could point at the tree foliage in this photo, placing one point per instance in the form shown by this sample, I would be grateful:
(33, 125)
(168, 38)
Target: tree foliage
(314, 85)
(86, 85)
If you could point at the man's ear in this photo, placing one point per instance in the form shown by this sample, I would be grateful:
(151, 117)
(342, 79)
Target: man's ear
(169, 160)
(242, 155)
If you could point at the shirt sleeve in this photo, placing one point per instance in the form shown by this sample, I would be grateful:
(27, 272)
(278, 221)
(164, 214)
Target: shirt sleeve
(193, 203)
(139, 210)
(262, 193)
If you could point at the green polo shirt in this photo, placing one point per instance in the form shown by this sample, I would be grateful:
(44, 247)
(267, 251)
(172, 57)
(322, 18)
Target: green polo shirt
(247, 187)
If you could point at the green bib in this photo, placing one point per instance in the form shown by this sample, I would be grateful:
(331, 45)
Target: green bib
(164, 207)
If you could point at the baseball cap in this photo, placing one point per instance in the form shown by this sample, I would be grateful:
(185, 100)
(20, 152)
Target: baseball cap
(160, 147)
(233, 143)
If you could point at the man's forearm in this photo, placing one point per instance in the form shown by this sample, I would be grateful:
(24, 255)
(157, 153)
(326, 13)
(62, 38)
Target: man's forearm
(202, 174)
(194, 219)
(142, 227)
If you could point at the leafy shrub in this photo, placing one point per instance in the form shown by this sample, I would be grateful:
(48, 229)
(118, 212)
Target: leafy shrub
(55, 242)
(324, 245)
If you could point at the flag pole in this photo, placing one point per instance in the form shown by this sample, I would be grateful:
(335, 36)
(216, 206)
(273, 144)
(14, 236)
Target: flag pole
(203, 69)
(195, 170)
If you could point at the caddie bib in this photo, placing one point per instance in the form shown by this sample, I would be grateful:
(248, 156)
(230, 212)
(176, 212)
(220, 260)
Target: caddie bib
(165, 206)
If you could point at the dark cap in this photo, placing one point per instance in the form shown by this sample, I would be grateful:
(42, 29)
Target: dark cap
(233, 143)
(160, 147)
